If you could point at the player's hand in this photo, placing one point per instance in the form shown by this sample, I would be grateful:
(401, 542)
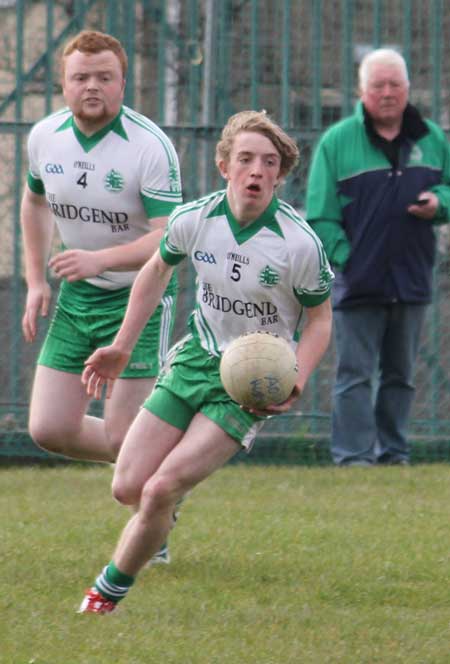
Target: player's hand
(276, 409)
(37, 304)
(102, 368)
(76, 264)
(428, 209)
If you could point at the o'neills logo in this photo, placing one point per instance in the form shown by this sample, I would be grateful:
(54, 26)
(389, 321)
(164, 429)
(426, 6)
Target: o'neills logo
(239, 307)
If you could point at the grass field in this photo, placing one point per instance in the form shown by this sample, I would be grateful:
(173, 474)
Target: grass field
(271, 565)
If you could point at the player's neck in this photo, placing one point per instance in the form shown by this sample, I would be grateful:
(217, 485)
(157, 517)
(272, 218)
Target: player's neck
(243, 213)
(90, 127)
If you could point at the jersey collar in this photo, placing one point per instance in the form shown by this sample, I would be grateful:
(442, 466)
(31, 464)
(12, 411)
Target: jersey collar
(89, 142)
(243, 233)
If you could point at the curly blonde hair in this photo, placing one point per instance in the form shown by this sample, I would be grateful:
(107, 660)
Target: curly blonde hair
(259, 122)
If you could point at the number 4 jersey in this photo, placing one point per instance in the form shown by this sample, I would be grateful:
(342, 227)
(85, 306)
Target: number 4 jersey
(250, 278)
(103, 189)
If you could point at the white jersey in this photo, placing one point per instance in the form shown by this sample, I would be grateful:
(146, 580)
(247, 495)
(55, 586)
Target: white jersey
(103, 189)
(250, 278)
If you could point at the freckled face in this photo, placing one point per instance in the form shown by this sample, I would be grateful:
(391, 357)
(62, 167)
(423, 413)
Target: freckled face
(252, 172)
(93, 87)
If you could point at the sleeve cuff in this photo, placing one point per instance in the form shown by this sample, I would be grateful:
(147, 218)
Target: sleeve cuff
(169, 257)
(157, 208)
(35, 184)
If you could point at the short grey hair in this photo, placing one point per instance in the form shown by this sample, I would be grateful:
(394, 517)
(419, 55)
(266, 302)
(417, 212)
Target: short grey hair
(385, 56)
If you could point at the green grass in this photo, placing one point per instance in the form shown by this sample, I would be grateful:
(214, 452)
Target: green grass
(271, 565)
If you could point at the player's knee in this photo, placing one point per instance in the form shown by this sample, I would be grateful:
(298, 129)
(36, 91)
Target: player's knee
(44, 435)
(125, 491)
(160, 493)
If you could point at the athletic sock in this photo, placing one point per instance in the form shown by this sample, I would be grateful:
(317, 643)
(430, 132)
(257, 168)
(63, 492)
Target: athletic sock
(112, 583)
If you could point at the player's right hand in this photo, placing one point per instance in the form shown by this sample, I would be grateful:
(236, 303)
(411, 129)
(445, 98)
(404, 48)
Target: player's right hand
(102, 368)
(429, 208)
(76, 264)
(37, 304)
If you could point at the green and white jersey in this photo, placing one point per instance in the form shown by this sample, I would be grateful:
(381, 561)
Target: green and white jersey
(103, 189)
(250, 278)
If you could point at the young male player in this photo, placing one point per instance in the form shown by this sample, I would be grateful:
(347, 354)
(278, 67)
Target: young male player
(108, 177)
(259, 265)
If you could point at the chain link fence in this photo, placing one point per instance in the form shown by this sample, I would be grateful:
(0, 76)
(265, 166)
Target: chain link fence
(192, 64)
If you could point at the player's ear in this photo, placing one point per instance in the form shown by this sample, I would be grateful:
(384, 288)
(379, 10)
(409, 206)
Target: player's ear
(280, 177)
(222, 165)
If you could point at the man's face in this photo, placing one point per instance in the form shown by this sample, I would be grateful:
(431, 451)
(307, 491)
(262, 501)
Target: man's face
(386, 94)
(93, 87)
(253, 172)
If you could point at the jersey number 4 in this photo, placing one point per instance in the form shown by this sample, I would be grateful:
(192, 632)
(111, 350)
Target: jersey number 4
(82, 180)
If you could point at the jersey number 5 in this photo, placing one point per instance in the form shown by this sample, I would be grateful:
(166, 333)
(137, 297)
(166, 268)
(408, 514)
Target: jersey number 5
(82, 180)
(236, 272)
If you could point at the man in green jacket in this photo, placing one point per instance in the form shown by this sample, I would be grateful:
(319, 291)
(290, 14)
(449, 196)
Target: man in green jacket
(379, 182)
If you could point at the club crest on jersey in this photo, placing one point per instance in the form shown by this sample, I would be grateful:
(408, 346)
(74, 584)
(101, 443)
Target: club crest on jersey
(114, 181)
(268, 277)
(174, 179)
(325, 278)
(416, 154)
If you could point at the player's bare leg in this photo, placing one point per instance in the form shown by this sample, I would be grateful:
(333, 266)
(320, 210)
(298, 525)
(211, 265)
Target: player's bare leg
(121, 408)
(204, 448)
(190, 458)
(58, 420)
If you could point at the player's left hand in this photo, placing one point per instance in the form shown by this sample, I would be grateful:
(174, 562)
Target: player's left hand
(76, 264)
(276, 409)
(102, 368)
(429, 209)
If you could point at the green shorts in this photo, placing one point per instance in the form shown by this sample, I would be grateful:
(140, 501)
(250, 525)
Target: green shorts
(189, 384)
(87, 317)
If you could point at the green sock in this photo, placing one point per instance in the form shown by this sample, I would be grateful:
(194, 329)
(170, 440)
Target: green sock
(112, 583)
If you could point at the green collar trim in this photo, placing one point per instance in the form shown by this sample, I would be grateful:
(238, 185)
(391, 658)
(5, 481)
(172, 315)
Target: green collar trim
(89, 142)
(243, 233)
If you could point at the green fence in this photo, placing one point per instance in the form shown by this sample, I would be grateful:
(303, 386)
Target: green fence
(192, 64)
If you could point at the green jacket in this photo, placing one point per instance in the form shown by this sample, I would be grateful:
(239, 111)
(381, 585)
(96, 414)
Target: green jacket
(357, 204)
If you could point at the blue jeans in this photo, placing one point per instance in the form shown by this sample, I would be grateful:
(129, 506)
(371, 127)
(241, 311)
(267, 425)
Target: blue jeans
(376, 347)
